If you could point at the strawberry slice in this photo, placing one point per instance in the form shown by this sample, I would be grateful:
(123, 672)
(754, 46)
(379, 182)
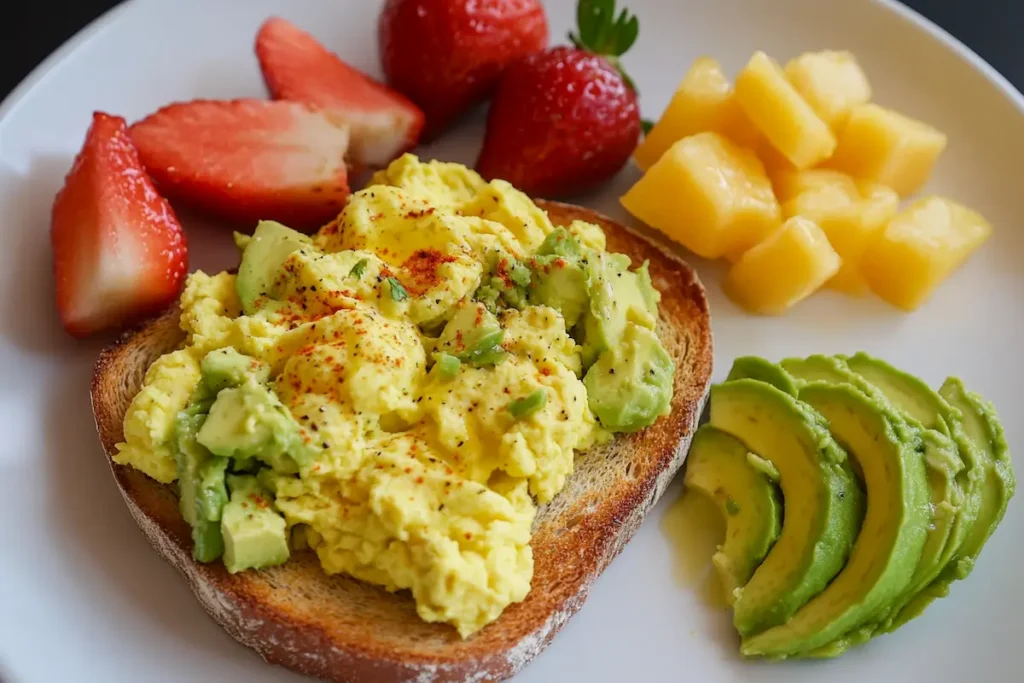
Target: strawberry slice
(296, 67)
(247, 160)
(119, 254)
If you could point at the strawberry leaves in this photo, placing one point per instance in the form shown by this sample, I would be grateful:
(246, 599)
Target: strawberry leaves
(602, 32)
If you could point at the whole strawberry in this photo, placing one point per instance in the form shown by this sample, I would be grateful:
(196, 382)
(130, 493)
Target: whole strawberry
(447, 55)
(566, 119)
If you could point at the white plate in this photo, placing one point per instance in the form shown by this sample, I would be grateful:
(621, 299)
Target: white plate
(82, 595)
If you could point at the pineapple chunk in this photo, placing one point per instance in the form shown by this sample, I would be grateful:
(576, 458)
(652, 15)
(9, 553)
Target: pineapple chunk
(708, 194)
(790, 265)
(888, 148)
(773, 160)
(920, 248)
(831, 82)
(702, 102)
(792, 183)
(778, 111)
(851, 215)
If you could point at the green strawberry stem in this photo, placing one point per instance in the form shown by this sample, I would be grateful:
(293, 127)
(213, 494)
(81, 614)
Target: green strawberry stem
(603, 33)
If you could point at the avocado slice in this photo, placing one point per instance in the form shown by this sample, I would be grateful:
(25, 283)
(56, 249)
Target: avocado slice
(249, 421)
(942, 464)
(255, 534)
(908, 393)
(270, 246)
(751, 504)
(819, 368)
(823, 503)
(956, 467)
(755, 367)
(891, 539)
(982, 427)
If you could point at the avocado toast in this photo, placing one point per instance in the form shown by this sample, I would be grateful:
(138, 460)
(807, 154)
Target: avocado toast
(338, 628)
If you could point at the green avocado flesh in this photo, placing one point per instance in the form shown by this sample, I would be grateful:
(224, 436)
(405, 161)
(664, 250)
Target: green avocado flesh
(995, 485)
(748, 499)
(823, 504)
(942, 463)
(926, 475)
(265, 252)
(890, 539)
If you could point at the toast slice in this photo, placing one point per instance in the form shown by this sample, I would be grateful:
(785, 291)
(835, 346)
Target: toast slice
(340, 629)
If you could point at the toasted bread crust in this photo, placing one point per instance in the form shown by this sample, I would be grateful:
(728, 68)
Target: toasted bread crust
(298, 617)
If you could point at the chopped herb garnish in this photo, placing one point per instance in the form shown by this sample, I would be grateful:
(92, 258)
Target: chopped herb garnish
(398, 292)
(358, 269)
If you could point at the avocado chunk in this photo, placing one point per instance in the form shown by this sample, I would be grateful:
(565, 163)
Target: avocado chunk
(559, 278)
(560, 242)
(630, 385)
(447, 365)
(225, 368)
(506, 282)
(823, 504)
(473, 336)
(249, 421)
(202, 491)
(528, 405)
(255, 535)
(719, 468)
(889, 545)
(270, 246)
(617, 297)
(754, 367)
(561, 284)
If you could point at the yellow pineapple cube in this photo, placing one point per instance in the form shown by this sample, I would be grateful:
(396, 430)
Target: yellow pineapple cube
(787, 267)
(888, 148)
(703, 102)
(790, 183)
(920, 248)
(707, 194)
(831, 82)
(781, 114)
(773, 160)
(850, 214)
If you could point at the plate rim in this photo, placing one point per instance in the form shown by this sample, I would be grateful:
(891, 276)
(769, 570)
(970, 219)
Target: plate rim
(915, 19)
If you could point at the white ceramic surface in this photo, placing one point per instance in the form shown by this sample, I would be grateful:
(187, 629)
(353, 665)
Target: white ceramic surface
(82, 596)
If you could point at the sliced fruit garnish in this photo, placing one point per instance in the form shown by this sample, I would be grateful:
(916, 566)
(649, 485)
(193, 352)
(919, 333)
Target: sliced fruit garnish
(248, 160)
(384, 123)
(118, 250)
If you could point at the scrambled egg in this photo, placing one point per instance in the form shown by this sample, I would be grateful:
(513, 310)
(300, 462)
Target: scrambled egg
(421, 482)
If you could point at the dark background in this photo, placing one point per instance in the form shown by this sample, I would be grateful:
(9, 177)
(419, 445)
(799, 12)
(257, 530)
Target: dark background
(992, 28)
